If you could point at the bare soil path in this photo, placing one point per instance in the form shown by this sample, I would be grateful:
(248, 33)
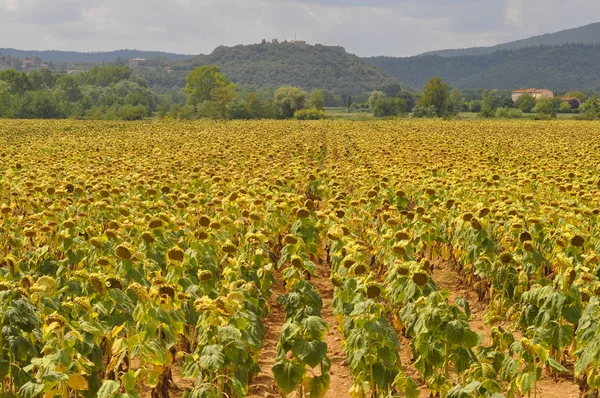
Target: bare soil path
(446, 278)
(341, 376)
(263, 385)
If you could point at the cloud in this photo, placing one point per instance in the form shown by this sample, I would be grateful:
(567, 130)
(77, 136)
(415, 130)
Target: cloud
(364, 27)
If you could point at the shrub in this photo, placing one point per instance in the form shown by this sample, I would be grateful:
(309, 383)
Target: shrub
(132, 112)
(238, 110)
(309, 114)
(389, 107)
(509, 113)
(424, 111)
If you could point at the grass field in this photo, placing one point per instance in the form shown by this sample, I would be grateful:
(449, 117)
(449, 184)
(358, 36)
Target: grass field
(327, 258)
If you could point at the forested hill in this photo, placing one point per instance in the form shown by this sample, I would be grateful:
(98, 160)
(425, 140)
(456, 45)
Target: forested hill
(568, 67)
(277, 64)
(588, 34)
(60, 57)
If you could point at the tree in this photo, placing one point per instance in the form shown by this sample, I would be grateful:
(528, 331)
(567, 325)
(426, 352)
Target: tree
(574, 103)
(577, 94)
(5, 98)
(289, 99)
(435, 94)
(70, 86)
(475, 106)
(455, 102)
(37, 80)
(105, 76)
(254, 105)
(526, 103)
(392, 90)
(590, 109)
(409, 100)
(374, 97)
(223, 96)
(487, 111)
(545, 106)
(317, 99)
(202, 81)
(389, 107)
(18, 81)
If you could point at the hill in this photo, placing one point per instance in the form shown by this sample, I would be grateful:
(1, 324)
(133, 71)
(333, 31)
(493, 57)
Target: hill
(60, 57)
(277, 64)
(567, 67)
(588, 34)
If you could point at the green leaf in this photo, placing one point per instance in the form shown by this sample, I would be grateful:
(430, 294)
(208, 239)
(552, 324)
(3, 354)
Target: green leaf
(109, 387)
(318, 386)
(311, 353)
(510, 367)
(462, 302)
(316, 327)
(212, 358)
(190, 367)
(31, 389)
(288, 374)
(553, 363)
(154, 353)
(527, 382)
(464, 392)
(228, 333)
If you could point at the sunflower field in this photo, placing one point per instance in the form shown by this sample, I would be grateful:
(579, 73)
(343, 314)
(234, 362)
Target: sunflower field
(144, 259)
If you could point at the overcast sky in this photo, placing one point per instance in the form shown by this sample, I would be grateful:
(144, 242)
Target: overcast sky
(363, 27)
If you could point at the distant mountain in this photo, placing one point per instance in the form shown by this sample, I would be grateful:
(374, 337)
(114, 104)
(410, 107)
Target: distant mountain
(89, 57)
(588, 34)
(277, 64)
(567, 67)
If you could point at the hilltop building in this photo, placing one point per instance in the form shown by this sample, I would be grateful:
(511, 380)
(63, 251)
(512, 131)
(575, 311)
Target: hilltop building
(135, 62)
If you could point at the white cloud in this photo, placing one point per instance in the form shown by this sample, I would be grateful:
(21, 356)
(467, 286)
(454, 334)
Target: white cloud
(364, 27)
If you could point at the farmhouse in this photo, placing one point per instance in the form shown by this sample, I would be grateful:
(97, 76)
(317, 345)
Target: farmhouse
(534, 92)
(571, 100)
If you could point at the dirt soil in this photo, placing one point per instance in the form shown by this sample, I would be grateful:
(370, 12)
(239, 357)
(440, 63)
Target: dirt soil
(341, 376)
(446, 278)
(263, 385)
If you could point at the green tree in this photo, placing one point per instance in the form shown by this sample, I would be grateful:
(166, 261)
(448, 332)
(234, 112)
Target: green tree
(475, 106)
(5, 99)
(526, 103)
(254, 105)
(389, 107)
(392, 90)
(435, 93)
(70, 87)
(289, 99)
(577, 94)
(486, 108)
(545, 106)
(18, 81)
(374, 97)
(454, 103)
(317, 99)
(202, 81)
(105, 76)
(223, 96)
(590, 109)
(37, 80)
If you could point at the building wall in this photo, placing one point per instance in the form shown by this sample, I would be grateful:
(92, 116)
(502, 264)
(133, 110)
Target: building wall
(537, 95)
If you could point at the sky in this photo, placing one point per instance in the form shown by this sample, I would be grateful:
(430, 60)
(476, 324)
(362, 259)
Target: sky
(363, 27)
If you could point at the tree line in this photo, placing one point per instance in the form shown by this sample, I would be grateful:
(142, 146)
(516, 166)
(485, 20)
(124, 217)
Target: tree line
(116, 93)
